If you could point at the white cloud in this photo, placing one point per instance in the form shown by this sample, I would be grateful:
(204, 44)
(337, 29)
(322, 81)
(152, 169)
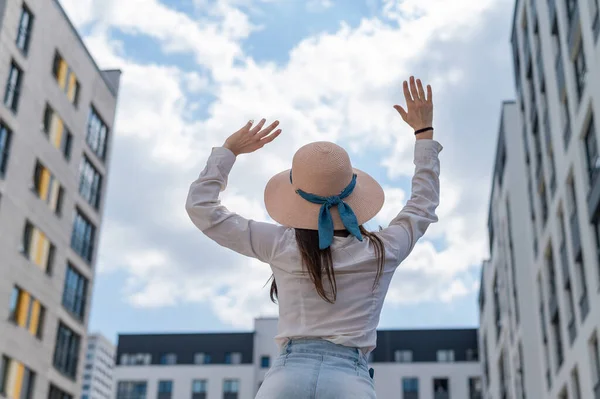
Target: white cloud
(318, 5)
(337, 86)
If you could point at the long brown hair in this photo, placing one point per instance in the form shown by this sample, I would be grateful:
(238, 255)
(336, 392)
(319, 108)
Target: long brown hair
(319, 262)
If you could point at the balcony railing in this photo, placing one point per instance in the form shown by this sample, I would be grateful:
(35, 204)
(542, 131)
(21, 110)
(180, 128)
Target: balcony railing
(441, 395)
(572, 330)
(564, 262)
(575, 236)
(574, 30)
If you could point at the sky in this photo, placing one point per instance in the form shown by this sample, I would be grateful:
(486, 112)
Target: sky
(195, 71)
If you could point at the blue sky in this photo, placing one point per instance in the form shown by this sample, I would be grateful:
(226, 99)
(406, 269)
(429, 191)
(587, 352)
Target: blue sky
(194, 71)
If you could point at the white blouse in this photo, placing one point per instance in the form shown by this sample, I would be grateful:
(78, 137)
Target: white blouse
(352, 320)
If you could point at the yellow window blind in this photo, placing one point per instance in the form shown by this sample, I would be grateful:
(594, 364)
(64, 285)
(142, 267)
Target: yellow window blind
(63, 69)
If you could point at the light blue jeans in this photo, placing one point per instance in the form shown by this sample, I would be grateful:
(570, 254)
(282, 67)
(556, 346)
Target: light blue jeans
(318, 369)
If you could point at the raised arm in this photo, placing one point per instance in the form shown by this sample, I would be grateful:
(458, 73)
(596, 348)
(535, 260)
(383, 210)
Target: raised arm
(247, 237)
(419, 212)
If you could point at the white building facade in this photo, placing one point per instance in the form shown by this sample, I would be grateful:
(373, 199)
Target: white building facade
(408, 364)
(98, 371)
(540, 289)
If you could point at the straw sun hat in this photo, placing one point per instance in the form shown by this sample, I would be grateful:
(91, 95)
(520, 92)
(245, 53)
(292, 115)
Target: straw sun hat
(321, 186)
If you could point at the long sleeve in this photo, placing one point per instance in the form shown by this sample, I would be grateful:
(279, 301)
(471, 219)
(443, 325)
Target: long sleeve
(255, 239)
(419, 212)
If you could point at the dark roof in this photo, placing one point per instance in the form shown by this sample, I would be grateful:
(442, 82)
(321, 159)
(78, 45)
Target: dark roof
(185, 346)
(424, 344)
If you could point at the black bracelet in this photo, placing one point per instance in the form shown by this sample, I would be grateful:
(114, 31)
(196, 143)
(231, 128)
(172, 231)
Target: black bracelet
(423, 130)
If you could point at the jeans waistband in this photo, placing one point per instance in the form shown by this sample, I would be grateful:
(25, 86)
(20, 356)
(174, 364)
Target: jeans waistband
(324, 347)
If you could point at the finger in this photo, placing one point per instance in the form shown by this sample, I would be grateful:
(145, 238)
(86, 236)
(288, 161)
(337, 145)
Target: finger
(429, 94)
(259, 126)
(247, 126)
(401, 111)
(267, 130)
(421, 91)
(270, 138)
(413, 89)
(407, 94)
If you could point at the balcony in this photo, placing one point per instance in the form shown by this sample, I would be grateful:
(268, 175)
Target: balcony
(553, 307)
(584, 306)
(441, 395)
(551, 10)
(575, 237)
(564, 262)
(593, 200)
(410, 395)
(574, 33)
(572, 330)
(560, 76)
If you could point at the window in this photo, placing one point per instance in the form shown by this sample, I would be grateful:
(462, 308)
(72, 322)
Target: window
(24, 30)
(66, 351)
(230, 389)
(591, 152)
(595, 363)
(497, 312)
(168, 358)
(595, 15)
(410, 388)
(202, 358)
(165, 389)
(558, 346)
(580, 68)
(575, 384)
(57, 393)
(75, 292)
(566, 122)
(38, 248)
(66, 78)
(441, 388)
(26, 311)
(138, 359)
(446, 355)
(82, 237)
(56, 131)
(5, 136)
(97, 134)
(13, 87)
(403, 356)
(90, 182)
(475, 388)
(233, 358)
(199, 389)
(265, 362)
(131, 390)
(47, 187)
(16, 380)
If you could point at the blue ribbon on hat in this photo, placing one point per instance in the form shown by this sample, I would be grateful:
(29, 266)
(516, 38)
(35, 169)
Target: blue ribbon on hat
(326, 221)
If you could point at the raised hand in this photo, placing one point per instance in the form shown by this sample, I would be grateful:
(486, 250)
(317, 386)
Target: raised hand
(249, 139)
(419, 112)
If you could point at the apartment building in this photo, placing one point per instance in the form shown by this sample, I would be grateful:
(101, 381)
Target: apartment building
(409, 364)
(56, 120)
(540, 289)
(99, 367)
